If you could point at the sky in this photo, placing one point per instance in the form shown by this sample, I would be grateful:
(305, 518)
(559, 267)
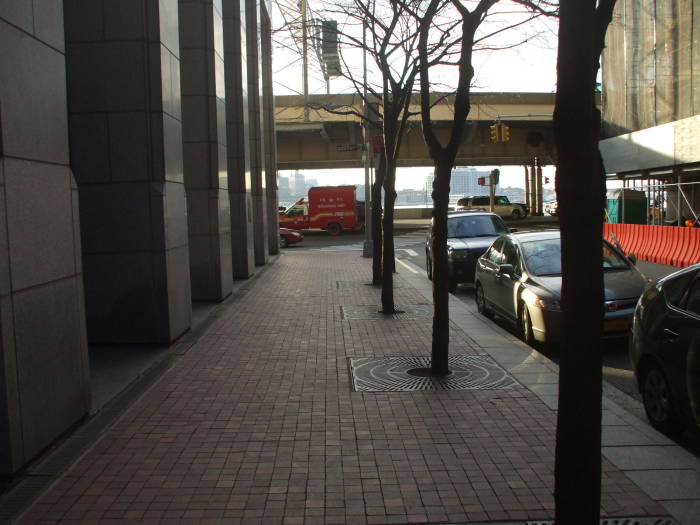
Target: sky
(527, 67)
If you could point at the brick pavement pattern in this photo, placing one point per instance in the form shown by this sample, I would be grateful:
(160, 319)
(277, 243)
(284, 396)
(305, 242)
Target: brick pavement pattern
(258, 423)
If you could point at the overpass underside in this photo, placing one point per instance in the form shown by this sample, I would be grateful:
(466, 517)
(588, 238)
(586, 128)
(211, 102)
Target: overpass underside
(324, 145)
(313, 134)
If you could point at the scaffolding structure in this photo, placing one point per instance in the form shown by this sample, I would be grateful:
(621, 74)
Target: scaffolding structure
(672, 196)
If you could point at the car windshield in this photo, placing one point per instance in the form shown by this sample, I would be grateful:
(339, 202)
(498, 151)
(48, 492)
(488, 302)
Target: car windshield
(475, 226)
(543, 257)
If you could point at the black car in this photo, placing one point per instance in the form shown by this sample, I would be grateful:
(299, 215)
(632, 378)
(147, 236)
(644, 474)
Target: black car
(665, 350)
(469, 234)
(519, 278)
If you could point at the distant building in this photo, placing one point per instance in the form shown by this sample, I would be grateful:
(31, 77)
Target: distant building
(651, 107)
(463, 182)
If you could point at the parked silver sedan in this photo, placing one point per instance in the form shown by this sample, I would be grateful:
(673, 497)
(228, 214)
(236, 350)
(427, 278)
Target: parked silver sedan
(519, 278)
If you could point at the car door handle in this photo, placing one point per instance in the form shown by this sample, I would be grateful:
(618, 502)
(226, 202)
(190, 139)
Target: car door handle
(670, 335)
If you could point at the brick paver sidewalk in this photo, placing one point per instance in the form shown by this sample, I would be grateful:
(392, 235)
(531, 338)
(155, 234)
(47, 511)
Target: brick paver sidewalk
(258, 423)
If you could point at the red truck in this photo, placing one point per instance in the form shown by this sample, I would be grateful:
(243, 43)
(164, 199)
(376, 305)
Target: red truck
(330, 208)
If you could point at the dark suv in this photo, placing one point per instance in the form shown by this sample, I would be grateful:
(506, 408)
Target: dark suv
(469, 234)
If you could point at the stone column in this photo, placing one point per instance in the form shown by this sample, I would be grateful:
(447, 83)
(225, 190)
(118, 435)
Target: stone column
(44, 371)
(238, 138)
(538, 182)
(268, 131)
(527, 190)
(123, 68)
(257, 140)
(204, 148)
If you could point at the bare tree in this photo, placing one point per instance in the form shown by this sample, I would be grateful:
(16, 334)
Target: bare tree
(577, 121)
(431, 53)
(392, 35)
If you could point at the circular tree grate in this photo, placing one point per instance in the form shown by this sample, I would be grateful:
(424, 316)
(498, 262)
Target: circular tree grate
(391, 374)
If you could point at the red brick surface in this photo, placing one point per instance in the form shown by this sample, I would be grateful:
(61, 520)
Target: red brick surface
(258, 423)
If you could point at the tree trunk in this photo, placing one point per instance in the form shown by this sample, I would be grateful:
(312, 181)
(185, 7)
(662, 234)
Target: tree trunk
(388, 306)
(441, 315)
(580, 188)
(377, 241)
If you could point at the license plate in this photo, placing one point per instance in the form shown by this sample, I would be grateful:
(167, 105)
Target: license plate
(615, 325)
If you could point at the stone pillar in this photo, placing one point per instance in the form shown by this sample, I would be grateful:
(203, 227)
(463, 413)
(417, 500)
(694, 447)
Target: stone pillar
(538, 182)
(527, 190)
(204, 148)
(268, 131)
(123, 68)
(238, 138)
(44, 371)
(257, 139)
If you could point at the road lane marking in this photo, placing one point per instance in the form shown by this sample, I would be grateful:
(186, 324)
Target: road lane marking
(405, 265)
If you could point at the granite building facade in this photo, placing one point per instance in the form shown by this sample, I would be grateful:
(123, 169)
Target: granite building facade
(137, 170)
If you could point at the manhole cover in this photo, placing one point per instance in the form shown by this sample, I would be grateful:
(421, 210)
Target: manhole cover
(372, 312)
(391, 374)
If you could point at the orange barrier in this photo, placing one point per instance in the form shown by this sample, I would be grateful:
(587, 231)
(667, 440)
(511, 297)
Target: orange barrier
(673, 245)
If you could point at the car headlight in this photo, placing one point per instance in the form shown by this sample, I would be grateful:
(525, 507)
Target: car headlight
(547, 303)
(458, 255)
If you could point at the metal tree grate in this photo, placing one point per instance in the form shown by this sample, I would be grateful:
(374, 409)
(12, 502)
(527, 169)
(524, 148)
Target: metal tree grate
(354, 285)
(372, 312)
(643, 520)
(391, 374)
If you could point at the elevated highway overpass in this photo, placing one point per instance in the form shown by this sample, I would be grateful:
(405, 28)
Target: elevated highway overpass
(321, 139)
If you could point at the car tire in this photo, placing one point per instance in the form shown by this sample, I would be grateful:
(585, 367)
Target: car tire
(525, 324)
(429, 266)
(283, 241)
(481, 301)
(516, 214)
(334, 228)
(452, 283)
(658, 401)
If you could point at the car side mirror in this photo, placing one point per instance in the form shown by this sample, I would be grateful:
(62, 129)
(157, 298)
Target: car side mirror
(505, 269)
(632, 258)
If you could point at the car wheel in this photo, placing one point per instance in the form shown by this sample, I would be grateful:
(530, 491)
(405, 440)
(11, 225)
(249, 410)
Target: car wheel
(525, 325)
(516, 214)
(429, 266)
(283, 241)
(334, 228)
(658, 401)
(452, 283)
(481, 301)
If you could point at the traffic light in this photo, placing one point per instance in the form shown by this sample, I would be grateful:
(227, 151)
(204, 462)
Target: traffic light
(495, 132)
(481, 181)
(495, 174)
(505, 133)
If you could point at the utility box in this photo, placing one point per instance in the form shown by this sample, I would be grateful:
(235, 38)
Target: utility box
(626, 206)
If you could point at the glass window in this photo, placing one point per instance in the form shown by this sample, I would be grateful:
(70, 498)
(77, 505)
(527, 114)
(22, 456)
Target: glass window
(501, 201)
(675, 288)
(612, 259)
(510, 255)
(479, 201)
(542, 257)
(692, 303)
(494, 253)
(475, 226)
